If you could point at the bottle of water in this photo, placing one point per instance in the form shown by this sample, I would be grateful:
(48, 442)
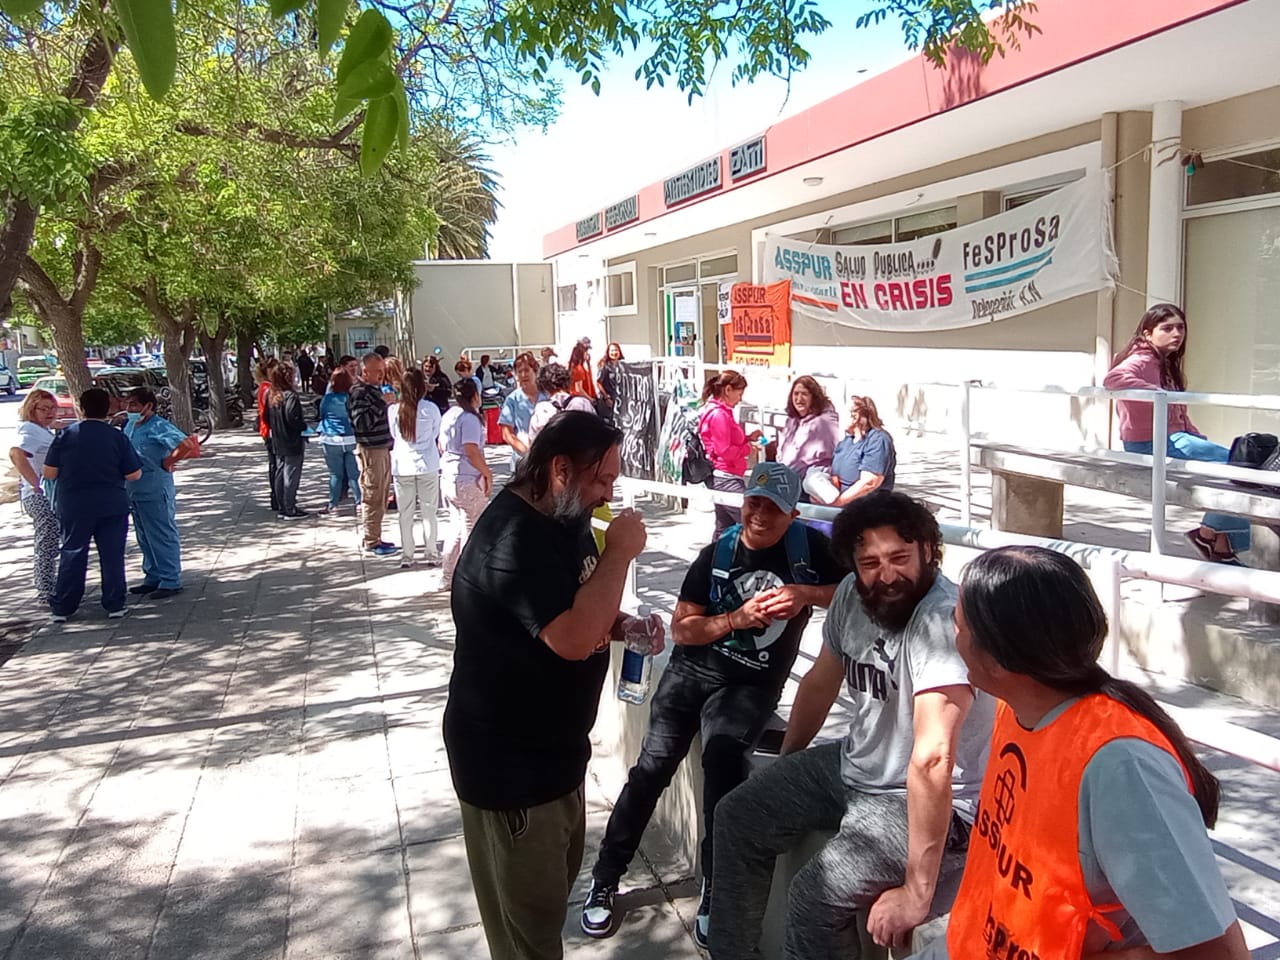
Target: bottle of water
(637, 665)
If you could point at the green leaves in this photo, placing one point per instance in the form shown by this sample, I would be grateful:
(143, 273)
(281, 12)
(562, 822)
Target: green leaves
(381, 123)
(148, 30)
(368, 81)
(14, 9)
(369, 39)
(330, 15)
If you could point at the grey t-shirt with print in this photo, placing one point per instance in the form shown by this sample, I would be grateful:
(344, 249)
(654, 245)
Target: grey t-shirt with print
(1143, 844)
(884, 671)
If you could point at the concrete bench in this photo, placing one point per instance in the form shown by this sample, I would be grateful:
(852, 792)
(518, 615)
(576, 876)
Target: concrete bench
(1027, 486)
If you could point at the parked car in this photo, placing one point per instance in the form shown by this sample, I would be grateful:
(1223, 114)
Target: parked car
(8, 380)
(62, 393)
(31, 369)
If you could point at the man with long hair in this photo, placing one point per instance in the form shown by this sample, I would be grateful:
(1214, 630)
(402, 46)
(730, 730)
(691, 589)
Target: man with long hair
(899, 791)
(535, 606)
(1090, 837)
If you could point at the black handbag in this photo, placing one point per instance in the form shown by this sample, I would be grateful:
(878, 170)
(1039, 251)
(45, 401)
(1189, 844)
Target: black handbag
(1259, 451)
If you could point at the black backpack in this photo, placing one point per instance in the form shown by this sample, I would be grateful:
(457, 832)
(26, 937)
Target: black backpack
(1261, 451)
(697, 465)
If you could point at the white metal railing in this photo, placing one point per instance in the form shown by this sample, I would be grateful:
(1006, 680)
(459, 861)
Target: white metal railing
(1159, 400)
(505, 353)
(1105, 566)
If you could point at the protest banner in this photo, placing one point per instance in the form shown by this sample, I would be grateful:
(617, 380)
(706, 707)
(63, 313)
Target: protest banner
(759, 329)
(1042, 252)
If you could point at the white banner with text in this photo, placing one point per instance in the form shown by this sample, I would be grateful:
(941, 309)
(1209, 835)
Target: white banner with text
(1042, 252)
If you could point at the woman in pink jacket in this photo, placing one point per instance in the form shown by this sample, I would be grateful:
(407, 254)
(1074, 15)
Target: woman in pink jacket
(1152, 360)
(812, 430)
(725, 442)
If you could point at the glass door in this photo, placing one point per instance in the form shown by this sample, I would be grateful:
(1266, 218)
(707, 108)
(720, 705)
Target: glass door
(683, 321)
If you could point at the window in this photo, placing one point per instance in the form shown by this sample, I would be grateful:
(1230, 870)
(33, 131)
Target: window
(567, 298)
(725, 266)
(1014, 201)
(622, 289)
(909, 226)
(1235, 178)
(682, 273)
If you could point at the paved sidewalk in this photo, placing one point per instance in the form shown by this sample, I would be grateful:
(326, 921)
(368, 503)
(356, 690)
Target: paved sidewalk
(254, 769)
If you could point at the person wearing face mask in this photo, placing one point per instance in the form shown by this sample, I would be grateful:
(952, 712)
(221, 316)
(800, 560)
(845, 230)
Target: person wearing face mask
(517, 409)
(159, 446)
(899, 792)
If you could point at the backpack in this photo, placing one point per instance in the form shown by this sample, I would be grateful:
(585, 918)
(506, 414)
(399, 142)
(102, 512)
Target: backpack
(1260, 451)
(697, 466)
(724, 594)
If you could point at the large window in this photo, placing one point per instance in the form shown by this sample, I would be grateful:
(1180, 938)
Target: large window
(909, 226)
(620, 289)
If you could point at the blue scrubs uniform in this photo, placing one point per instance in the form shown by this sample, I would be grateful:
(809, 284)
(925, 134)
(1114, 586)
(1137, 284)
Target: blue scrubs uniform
(151, 500)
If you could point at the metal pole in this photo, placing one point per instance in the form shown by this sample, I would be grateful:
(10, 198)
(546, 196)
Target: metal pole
(966, 479)
(629, 502)
(1159, 461)
(1104, 571)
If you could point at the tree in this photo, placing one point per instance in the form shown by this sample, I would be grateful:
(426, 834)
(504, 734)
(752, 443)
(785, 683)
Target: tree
(480, 63)
(462, 193)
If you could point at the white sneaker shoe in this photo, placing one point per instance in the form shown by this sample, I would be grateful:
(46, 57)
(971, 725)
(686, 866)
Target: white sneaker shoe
(597, 912)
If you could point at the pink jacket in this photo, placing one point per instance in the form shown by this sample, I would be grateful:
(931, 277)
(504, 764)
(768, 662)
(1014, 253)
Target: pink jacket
(1141, 371)
(723, 438)
(809, 442)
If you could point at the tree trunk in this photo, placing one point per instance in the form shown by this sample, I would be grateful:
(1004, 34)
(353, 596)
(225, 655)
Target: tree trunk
(65, 317)
(213, 345)
(244, 368)
(177, 337)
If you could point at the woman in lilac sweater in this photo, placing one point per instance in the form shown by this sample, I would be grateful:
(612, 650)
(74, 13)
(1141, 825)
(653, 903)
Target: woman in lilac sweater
(811, 432)
(725, 442)
(1152, 360)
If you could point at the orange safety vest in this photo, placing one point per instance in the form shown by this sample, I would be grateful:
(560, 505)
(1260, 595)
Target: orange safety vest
(1023, 894)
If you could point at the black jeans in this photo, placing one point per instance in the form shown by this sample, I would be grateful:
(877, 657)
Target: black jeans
(727, 516)
(689, 699)
(272, 467)
(288, 473)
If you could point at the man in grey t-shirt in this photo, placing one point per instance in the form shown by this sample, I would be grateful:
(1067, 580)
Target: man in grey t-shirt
(917, 740)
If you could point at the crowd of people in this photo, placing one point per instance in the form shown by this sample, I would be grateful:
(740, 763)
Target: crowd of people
(985, 745)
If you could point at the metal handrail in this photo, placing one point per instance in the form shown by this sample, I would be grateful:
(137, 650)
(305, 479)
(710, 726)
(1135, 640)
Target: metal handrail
(1159, 400)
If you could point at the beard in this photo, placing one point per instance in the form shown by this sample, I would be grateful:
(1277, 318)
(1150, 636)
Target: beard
(890, 605)
(568, 508)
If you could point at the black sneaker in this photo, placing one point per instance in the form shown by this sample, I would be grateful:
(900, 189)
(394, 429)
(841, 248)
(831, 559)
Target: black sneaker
(144, 588)
(702, 921)
(597, 912)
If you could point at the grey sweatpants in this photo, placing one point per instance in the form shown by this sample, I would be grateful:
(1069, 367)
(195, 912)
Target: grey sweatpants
(771, 813)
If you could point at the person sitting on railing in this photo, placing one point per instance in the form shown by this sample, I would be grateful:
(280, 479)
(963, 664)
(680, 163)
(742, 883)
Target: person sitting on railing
(811, 433)
(1152, 360)
(864, 461)
(724, 441)
(1090, 836)
(743, 607)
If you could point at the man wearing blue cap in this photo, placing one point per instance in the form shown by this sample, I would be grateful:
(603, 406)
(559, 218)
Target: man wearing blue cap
(744, 603)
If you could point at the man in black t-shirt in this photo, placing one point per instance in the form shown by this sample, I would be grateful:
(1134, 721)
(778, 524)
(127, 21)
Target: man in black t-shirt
(534, 607)
(743, 606)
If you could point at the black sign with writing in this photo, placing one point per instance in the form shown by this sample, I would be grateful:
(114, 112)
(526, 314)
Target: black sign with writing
(624, 211)
(635, 416)
(693, 182)
(746, 159)
(589, 227)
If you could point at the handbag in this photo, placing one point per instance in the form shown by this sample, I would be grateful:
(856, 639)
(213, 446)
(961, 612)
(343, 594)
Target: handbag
(1259, 451)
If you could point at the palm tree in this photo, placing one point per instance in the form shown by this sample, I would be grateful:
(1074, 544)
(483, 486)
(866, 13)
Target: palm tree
(463, 192)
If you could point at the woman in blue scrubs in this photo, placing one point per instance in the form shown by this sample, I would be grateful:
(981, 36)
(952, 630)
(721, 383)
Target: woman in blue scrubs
(151, 496)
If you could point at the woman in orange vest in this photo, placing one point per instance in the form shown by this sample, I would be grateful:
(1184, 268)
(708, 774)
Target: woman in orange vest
(1089, 839)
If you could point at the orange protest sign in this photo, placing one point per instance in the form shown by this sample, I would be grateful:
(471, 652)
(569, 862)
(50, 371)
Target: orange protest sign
(759, 329)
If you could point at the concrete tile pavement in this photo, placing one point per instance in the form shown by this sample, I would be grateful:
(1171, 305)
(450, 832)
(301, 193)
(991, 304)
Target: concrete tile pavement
(254, 768)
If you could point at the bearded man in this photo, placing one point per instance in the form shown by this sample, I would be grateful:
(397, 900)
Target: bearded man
(535, 606)
(899, 791)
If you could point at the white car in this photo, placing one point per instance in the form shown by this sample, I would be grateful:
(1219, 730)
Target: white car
(8, 380)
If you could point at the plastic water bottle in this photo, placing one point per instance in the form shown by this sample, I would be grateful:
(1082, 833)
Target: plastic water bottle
(637, 665)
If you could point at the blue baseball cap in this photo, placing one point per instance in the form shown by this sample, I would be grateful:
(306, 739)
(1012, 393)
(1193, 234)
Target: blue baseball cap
(776, 481)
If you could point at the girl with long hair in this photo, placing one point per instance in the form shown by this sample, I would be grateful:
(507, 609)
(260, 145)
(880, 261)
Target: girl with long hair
(338, 440)
(1090, 835)
(607, 376)
(466, 479)
(725, 442)
(36, 417)
(581, 381)
(1152, 360)
(263, 374)
(439, 386)
(284, 414)
(415, 465)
